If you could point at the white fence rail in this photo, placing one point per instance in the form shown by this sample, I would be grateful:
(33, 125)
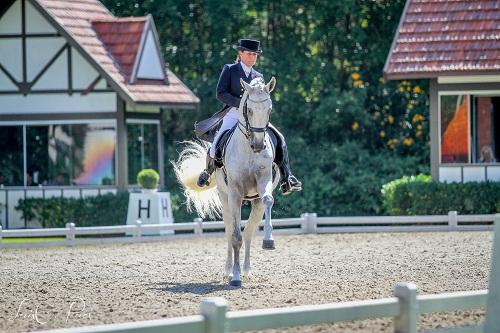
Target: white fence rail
(404, 308)
(214, 317)
(307, 223)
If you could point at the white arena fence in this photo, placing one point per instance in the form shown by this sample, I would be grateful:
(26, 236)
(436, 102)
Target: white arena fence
(308, 223)
(404, 308)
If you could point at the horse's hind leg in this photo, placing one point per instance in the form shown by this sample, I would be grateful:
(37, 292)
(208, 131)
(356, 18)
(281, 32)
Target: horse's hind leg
(253, 221)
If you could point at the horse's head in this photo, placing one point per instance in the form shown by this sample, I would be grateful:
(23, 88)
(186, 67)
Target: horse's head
(257, 112)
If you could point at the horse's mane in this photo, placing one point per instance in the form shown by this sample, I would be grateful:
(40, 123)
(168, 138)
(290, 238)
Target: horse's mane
(258, 81)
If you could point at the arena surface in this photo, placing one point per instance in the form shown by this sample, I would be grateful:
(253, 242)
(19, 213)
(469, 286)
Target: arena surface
(59, 287)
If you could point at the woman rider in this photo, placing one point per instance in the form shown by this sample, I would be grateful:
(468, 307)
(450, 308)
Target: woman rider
(229, 92)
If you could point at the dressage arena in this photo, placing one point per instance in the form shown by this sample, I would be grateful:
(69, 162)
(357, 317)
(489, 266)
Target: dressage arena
(45, 288)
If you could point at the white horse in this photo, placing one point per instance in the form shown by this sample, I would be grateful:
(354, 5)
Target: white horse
(247, 175)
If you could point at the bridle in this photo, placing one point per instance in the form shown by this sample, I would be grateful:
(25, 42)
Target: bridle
(249, 129)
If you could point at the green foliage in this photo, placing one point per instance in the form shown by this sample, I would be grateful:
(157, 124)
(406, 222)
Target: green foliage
(343, 180)
(393, 203)
(102, 210)
(419, 196)
(148, 178)
(348, 131)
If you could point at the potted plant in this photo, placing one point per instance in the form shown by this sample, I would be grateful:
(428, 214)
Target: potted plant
(148, 179)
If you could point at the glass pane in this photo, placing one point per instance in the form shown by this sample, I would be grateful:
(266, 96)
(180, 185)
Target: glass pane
(134, 141)
(93, 154)
(151, 146)
(454, 129)
(142, 149)
(37, 141)
(11, 156)
(82, 154)
(484, 130)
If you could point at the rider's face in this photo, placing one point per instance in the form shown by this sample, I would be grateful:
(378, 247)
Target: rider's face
(249, 58)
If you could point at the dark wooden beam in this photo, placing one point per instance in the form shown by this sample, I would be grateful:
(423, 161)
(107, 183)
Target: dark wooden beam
(54, 91)
(5, 5)
(6, 72)
(70, 72)
(10, 36)
(47, 65)
(91, 86)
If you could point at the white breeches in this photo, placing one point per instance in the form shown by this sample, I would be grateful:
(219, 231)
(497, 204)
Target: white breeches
(229, 120)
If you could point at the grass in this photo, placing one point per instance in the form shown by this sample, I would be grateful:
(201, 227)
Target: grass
(32, 239)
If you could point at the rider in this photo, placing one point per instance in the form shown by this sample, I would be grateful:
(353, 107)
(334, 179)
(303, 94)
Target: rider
(229, 92)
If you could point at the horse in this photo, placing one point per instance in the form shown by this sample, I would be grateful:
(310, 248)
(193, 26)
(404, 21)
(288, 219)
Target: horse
(247, 174)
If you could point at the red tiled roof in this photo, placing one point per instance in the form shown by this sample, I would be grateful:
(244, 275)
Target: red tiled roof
(94, 29)
(122, 38)
(446, 37)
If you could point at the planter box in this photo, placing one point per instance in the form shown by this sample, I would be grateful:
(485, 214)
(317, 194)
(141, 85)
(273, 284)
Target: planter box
(150, 208)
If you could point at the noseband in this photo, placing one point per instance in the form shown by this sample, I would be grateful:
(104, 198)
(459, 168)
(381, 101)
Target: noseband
(248, 128)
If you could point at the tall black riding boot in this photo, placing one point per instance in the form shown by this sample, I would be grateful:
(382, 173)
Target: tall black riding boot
(204, 178)
(288, 182)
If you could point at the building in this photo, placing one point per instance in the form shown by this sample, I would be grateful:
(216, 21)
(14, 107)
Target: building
(81, 95)
(455, 45)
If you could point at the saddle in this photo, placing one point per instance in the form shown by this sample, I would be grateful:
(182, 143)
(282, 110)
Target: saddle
(220, 149)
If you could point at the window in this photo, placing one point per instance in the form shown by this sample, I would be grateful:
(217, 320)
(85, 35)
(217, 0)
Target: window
(455, 129)
(59, 155)
(470, 129)
(142, 137)
(11, 156)
(486, 129)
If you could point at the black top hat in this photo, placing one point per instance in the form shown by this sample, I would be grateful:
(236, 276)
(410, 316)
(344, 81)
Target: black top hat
(249, 45)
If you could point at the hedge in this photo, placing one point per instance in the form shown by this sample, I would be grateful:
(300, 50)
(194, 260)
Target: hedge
(418, 195)
(102, 210)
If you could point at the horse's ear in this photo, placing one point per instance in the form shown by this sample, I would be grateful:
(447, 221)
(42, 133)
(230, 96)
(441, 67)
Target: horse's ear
(245, 85)
(270, 86)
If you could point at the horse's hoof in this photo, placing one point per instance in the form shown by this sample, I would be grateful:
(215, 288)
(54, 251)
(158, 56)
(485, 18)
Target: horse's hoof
(268, 244)
(235, 283)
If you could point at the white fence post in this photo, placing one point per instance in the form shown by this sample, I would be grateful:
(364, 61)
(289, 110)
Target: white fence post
(492, 321)
(138, 230)
(308, 225)
(70, 236)
(406, 322)
(198, 228)
(453, 220)
(214, 310)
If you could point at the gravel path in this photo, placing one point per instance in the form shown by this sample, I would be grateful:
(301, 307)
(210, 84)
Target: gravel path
(66, 287)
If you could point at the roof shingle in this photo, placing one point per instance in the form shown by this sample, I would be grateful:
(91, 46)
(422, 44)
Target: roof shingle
(111, 42)
(446, 37)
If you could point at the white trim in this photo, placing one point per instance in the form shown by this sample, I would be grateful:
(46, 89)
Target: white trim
(142, 121)
(471, 92)
(133, 77)
(468, 79)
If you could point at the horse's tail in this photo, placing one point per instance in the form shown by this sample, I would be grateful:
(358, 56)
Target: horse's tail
(190, 164)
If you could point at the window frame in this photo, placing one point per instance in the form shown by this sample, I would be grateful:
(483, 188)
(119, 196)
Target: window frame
(469, 94)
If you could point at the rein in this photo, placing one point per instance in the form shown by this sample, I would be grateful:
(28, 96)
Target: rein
(248, 128)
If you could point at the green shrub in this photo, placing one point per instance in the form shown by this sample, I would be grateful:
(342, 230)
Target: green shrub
(148, 178)
(419, 196)
(396, 204)
(102, 210)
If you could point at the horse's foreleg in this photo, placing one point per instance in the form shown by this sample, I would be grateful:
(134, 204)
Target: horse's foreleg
(268, 201)
(253, 221)
(228, 269)
(235, 216)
